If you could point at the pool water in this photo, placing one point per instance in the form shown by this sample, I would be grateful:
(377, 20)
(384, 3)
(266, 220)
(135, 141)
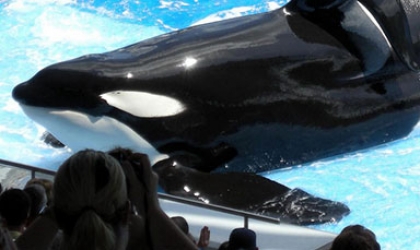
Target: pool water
(380, 185)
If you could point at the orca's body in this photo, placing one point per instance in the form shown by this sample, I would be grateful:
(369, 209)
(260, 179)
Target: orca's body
(259, 92)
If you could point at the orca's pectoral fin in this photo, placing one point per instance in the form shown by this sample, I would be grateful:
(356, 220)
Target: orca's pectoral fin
(301, 208)
(49, 139)
(393, 19)
(204, 159)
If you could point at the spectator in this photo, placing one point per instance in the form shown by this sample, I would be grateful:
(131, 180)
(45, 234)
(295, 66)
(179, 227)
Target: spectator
(142, 182)
(242, 239)
(90, 202)
(15, 206)
(92, 209)
(204, 238)
(224, 246)
(355, 237)
(36, 193)
(47, 184)
(182, 223)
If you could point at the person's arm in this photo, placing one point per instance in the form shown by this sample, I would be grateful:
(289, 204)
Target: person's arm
(40, 234)
(162, 232)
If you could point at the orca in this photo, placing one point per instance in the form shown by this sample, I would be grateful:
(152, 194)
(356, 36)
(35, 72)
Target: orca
(310, 80)
(248, 192)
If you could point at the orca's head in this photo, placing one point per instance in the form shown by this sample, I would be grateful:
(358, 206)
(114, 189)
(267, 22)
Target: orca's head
(74, 105)
(61, 88)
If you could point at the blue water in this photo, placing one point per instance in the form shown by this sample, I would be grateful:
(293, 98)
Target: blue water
(380, 185)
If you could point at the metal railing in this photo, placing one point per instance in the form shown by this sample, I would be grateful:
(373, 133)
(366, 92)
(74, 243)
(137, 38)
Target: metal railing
(31, 169)
(246, 215)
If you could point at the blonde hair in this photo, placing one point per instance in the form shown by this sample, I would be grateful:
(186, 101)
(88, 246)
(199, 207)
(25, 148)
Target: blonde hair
(89, 193)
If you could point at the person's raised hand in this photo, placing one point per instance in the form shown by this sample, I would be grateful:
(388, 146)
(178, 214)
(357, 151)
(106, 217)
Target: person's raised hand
(142, 168)
(204, 239)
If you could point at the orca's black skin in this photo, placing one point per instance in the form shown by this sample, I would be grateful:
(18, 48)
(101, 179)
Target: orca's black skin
(310, 80)
(248, 192)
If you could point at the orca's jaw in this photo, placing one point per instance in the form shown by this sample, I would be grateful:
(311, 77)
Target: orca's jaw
(100, 133)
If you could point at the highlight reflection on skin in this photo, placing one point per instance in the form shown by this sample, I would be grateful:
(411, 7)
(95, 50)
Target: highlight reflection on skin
(189, 62)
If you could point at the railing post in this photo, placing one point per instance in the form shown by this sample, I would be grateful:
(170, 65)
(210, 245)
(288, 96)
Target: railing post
(246, 221)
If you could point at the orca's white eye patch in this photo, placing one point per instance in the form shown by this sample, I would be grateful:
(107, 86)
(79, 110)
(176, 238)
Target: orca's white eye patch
(143, 104)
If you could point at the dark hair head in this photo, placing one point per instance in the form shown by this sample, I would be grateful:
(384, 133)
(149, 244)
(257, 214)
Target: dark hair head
(182, 223)
(355, 237)
(47, 184)
(242, 238)
(15, 205)
(38, 196)
(224, 246)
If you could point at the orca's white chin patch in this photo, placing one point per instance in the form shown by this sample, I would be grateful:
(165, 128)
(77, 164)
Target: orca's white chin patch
(142, 104)
(80, 131)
